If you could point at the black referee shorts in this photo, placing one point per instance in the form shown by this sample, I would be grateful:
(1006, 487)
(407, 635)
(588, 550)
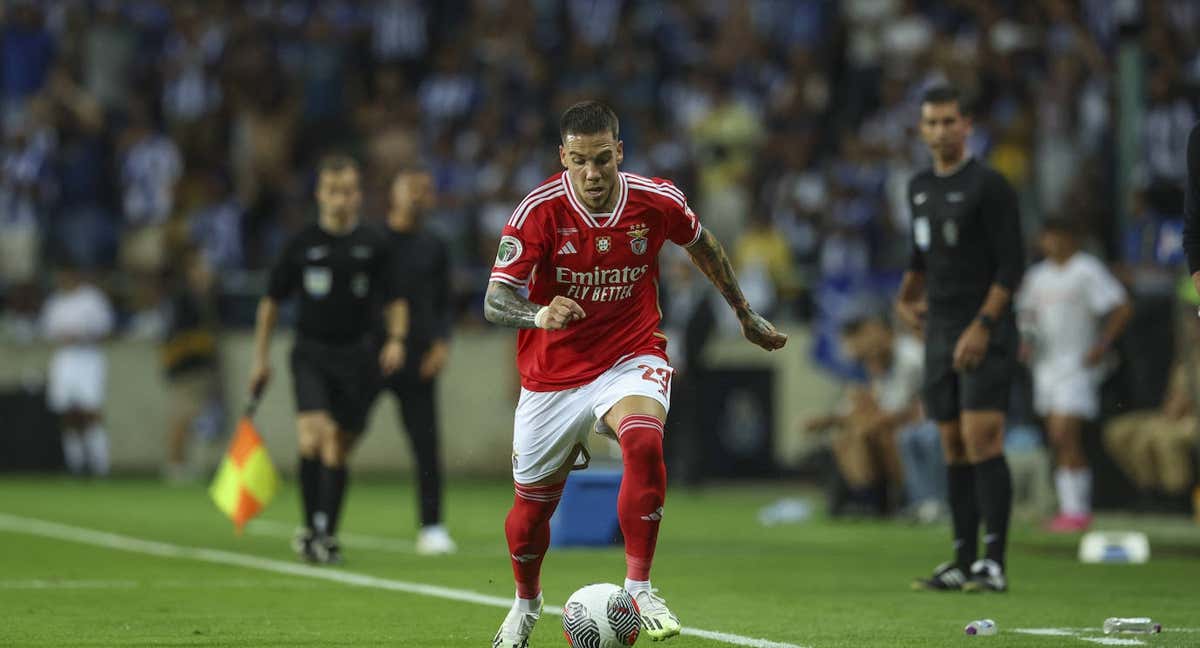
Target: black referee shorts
(335, 378)
(985, 388)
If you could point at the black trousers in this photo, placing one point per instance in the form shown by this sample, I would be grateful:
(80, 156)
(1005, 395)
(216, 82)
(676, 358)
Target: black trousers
(416, 405)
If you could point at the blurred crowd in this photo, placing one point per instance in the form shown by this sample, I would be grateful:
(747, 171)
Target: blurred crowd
(165, 148)
(137, 130)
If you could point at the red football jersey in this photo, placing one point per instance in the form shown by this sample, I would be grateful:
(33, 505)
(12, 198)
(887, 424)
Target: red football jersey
(608, 263)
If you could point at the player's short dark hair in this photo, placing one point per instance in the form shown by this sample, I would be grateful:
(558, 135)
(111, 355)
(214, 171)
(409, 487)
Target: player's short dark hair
(588, 118)
(944, 93)
(336, 163)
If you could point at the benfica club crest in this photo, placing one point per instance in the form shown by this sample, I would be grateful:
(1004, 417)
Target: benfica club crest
(637, 238)
(603, 243)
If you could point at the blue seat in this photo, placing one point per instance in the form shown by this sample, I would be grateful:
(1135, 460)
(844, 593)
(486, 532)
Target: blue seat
(587, 514)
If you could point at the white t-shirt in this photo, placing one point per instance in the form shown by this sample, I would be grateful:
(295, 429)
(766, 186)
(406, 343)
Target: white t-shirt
(82, 316)
(895, 390)
(1063, 306)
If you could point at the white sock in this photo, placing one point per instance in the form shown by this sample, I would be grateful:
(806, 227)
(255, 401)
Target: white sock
(96, 441)
(528, 606)
(1083, 490)
(1065, 485)
(73, 453)
(633, 587)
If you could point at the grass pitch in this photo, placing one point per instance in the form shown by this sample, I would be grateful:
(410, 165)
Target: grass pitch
(135, 563)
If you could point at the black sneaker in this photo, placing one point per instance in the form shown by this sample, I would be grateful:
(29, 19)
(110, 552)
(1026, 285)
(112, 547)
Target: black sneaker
(947, 577)
(327, 550)
(986, 576)
(302, 544)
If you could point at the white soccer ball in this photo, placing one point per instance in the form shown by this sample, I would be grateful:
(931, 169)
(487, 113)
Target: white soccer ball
(601, 616)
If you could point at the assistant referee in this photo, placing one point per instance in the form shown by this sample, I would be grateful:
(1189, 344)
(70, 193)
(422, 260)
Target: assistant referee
(967, 260)
(341, 272)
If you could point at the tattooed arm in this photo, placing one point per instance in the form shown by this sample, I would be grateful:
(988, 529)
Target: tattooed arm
(709, 256)
(502, 305)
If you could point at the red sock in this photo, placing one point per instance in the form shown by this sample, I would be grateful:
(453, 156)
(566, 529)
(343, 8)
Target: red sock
(643, 489)
(527, 528)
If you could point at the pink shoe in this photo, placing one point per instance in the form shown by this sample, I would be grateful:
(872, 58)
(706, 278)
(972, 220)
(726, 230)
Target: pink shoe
(1063, 523)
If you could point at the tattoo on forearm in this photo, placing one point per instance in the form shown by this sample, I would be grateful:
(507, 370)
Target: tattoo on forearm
(709, 256)
(502, 305)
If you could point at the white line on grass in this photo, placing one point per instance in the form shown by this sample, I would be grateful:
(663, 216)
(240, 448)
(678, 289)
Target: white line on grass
(1113, 641)
(1075, 632)
(53, 583)
(47, 529)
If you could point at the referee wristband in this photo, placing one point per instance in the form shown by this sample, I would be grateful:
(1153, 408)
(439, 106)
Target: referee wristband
(539, 320)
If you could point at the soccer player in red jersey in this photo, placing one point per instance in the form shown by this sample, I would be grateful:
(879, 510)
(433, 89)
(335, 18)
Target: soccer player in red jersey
(591, 356)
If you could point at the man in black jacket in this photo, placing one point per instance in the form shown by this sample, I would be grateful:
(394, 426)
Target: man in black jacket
(421, 262)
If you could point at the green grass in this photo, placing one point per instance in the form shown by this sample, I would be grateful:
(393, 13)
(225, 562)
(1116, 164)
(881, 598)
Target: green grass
(819, 584)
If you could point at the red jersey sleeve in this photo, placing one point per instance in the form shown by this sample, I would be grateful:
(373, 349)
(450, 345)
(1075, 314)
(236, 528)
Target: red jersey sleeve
(683, 227)
(522, 243)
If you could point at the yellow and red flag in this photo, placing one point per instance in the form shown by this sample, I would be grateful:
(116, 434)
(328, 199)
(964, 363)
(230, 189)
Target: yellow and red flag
(246, 480)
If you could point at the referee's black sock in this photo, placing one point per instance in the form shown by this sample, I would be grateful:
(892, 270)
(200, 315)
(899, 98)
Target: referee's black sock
(310, 486)
(964, 513)
(994, 482)
(333, 491)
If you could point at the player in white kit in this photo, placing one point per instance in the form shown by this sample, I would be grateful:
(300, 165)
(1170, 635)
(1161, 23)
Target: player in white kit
(1071, 310)
(76, 319)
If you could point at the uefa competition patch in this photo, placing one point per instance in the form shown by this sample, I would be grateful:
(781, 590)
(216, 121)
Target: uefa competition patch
(510, 250)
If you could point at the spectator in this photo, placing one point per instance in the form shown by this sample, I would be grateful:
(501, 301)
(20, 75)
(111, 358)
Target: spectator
(1156, 448)
(26, 188)
(191, 359)
(150, 169)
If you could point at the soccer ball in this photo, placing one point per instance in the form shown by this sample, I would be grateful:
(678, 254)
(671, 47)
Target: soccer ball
(601, 616)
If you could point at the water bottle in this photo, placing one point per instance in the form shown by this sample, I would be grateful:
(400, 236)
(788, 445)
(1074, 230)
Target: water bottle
(982, 628)
(1135, 625)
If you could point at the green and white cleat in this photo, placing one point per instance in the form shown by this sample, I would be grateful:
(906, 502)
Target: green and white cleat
(517, 626)
(658, 622)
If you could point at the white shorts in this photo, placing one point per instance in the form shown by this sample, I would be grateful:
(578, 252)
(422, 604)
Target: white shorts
(548, 426)
(1073, 393)
(76, 380)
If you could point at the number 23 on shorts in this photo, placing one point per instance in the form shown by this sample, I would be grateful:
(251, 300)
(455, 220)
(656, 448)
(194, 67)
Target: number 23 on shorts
(659, 376)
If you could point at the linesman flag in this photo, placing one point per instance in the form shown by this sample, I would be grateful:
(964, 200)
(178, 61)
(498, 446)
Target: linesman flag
(246, 481)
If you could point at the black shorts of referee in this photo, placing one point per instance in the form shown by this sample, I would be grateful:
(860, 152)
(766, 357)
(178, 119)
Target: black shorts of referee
(948, 392)
(337, 378)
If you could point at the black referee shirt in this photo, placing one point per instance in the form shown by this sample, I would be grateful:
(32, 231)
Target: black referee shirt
(966, 236)
(421, 262)
(1191, 202)
(339, 280)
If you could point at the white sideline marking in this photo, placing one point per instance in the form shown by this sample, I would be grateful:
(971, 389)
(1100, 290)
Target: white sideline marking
(47, 529)
(67, 584)
(1076, 633)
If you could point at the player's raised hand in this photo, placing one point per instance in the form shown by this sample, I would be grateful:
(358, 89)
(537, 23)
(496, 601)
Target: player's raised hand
(559, 314)
(761, 332)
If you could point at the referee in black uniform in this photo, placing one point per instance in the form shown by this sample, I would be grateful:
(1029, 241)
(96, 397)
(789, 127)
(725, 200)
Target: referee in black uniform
(421, 261)
(341, 271)
(967, 261)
